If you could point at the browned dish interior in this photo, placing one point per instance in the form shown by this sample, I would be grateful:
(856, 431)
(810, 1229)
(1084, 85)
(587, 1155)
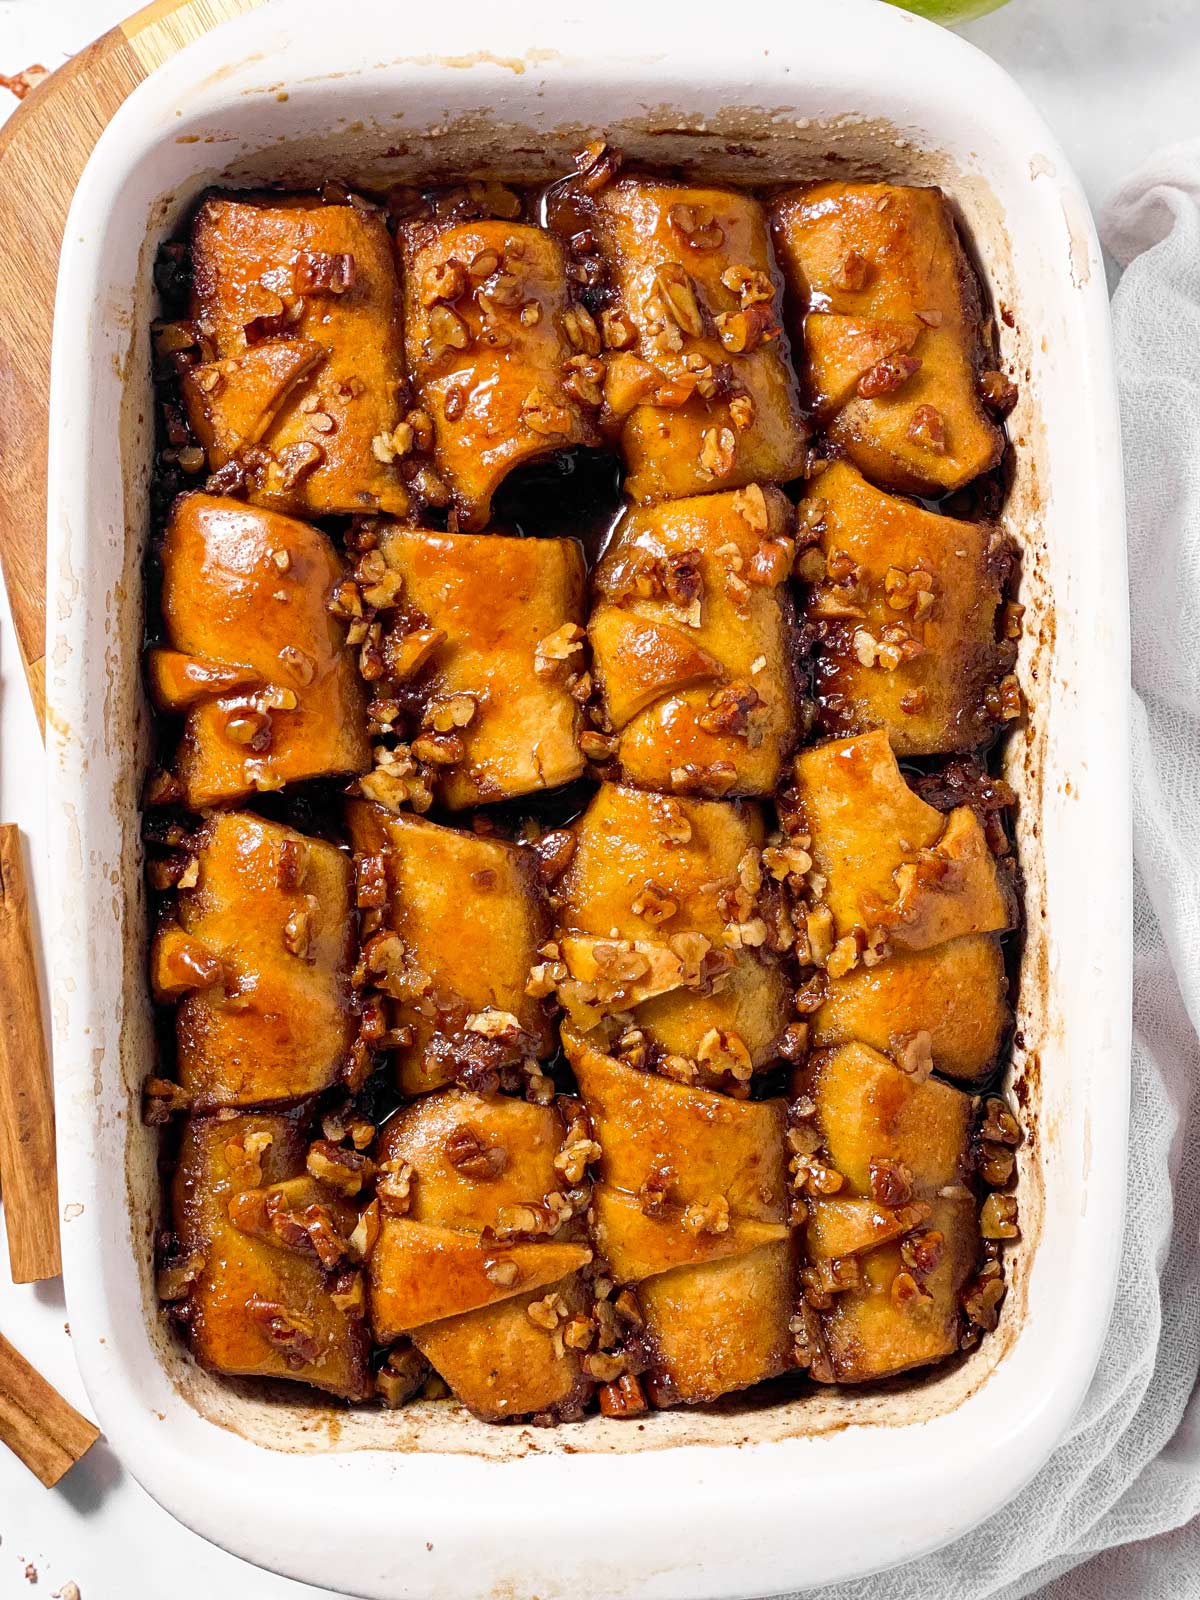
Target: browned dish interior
(568, 1000)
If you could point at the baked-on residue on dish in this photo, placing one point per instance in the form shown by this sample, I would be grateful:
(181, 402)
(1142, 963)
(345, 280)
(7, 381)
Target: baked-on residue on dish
(582, 638)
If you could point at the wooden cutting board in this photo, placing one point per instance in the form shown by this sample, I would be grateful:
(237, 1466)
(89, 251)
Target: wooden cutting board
(44, 147)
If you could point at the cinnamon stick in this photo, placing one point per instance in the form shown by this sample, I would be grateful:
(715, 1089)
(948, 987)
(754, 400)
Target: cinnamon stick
(42, 1428)
(27, 1168)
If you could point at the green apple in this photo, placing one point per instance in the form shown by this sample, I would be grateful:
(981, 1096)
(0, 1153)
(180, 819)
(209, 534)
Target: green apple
(949, 12)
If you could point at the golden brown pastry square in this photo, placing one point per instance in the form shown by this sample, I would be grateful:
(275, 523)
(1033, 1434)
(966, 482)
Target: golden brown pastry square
(660, 913)
(907, 607)
(892, 331)
(720, 1327)
(891, 1245)
(263, 1302)
(891, 862)
(487, 640)
(252, 659)
(258, 955)
(691, 636)
(692, 1209)
(894, 1320)
(955, 993)
(699, 378)
(495, 351)
(465, 916)
(480, 1263)
(298, 305)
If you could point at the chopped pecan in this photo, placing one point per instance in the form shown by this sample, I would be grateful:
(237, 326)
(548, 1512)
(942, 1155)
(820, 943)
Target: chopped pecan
(444, 280)
(809, 1350)
(995, 1164)
(467, 1153)
(447, 331)
(674, 289)
(907, 1294)
(751, 504)
(718, 451)
(543, 414)
(742, 411)
(851, 272)
(654, 904)
(401, 1375)
(597, 164)
(311, 1231)
(322, 272)
(927, 429)
(825, 1279)
(730, 711)
(998, 1217)
(445, 713)
(394, 1189)
(581, 330)
(654, 1192)
(999, 393)
(177, 1275)
(492, 1023)
(297, 932)
(617, 330)
(698, 225)
(548, 1312)
(983, 1295)
(891, 1182)
(913, 1053)
(723, 1051)
(597, 746)
(296, 461)
(439, 749)
(572, 1160)
(681, 578)
(554, 851)
(812, 1176)
(162, 1099)
(710, 1216)
(344, 1170)
(888, 375)
(622, 1397)
(921, 1252)
(552, 652)
(585, 379)
(1004, 700)
(370, 876)
(750, 285)
(792, 1044)
(744, 330)
(286, 1330)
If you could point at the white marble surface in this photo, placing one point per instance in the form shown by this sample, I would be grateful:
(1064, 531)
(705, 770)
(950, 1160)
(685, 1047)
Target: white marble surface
(1117, 80)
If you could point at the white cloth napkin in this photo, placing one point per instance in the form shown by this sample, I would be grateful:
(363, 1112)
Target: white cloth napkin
(1129, 1469)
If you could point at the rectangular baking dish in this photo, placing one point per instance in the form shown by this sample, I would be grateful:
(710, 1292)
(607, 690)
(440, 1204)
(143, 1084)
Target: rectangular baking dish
(750, 1497)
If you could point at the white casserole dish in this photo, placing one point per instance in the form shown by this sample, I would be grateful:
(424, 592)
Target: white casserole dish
(747, 1498)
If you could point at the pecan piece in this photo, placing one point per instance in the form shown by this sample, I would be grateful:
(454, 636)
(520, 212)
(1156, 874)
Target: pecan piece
(730, 710)
(891, 1181)
(927, 430)
(886, 376)
(467, 1153)
(288, 1331)
(342, 1169)
(622, 1397)
(998, 393)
